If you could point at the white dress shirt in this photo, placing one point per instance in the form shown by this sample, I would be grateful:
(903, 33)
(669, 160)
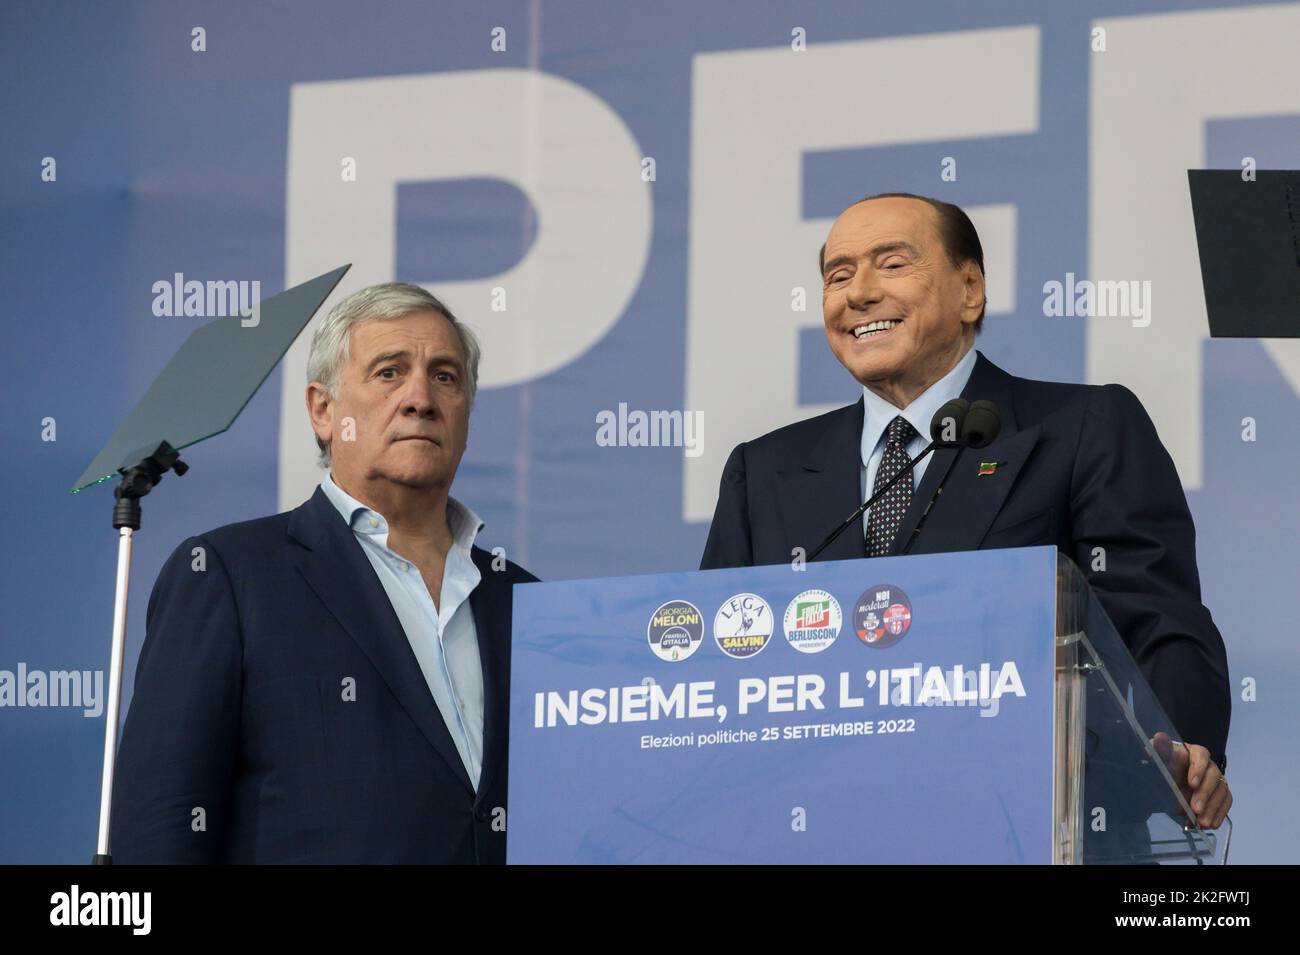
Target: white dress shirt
(443, 637)
(878, 412)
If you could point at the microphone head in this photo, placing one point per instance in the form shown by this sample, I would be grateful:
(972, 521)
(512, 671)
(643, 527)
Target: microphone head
(983, 422)
(946, 425)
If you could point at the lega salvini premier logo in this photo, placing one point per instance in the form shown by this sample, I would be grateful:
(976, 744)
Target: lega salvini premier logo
(743, 625)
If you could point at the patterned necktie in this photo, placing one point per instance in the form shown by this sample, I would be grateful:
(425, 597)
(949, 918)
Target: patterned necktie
(887, 513)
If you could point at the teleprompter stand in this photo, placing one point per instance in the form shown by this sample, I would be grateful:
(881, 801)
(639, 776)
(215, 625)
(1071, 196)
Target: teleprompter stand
(198, 394)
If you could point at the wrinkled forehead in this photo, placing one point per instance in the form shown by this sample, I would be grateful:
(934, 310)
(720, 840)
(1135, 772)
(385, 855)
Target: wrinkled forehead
(413, 330)
(891, 219)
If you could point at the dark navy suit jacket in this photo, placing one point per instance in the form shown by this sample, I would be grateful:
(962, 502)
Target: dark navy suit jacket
(1078, 466)
(244, 741)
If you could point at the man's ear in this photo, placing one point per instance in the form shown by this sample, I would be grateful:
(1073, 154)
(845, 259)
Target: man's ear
(318, 411)
(973, 292)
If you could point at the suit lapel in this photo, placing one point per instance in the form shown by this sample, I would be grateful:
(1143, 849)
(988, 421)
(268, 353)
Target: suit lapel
(965, 509)
(820, 493)
(339, 572)
(491, 604)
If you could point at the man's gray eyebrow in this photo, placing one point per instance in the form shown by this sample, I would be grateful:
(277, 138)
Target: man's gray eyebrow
(447, 359)
(386, 356)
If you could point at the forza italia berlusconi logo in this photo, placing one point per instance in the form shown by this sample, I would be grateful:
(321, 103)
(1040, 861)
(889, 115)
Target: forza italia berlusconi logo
(812, 621)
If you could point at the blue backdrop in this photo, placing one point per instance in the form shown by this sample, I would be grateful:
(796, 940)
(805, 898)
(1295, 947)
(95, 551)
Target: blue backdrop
(225, 164)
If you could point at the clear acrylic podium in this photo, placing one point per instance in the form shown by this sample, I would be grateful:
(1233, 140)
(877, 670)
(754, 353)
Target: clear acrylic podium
(1116, 802)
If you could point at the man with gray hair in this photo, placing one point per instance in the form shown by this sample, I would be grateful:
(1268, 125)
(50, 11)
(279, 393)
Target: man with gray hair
(331, 684)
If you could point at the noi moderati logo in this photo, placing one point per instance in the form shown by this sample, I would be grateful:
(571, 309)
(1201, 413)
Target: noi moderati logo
(75, 907)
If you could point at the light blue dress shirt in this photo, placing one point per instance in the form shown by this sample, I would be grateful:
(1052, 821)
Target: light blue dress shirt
(443, 637)
(879, 412)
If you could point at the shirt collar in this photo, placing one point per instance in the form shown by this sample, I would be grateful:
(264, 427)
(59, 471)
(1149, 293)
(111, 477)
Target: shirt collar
(878, 412)
(464, 523)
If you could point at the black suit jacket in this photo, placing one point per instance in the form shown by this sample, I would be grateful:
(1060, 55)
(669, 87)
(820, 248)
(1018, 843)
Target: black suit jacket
(1079, 466)
(241, 744)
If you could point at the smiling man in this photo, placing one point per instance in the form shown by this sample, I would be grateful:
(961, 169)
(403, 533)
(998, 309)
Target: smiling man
(1079, 467)
(331, 684)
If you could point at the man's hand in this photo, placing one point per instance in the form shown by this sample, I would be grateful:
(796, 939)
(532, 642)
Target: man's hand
(1203, 786)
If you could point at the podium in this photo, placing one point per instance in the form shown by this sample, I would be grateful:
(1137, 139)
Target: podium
(943, 708)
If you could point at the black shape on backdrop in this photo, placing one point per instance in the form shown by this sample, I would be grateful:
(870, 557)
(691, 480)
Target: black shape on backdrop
(1248, 236)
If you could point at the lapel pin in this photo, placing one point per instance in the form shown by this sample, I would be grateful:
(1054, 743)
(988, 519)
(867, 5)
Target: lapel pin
(989, 467)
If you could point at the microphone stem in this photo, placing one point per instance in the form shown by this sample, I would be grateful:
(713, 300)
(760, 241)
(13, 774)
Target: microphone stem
(916, 531)
(857, 515)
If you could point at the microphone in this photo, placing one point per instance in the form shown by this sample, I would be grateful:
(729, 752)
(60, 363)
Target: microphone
(946, 430)
(982, 423)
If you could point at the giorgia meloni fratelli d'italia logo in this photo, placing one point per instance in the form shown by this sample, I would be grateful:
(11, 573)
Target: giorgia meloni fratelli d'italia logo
(812, 621)
(882, 616)
(675, 631)
(743, 625)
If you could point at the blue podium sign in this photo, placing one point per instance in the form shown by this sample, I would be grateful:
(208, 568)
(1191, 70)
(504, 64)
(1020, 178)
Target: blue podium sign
(887, 710)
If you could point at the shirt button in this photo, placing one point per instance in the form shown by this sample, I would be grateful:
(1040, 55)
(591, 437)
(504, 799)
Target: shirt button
(373, 522)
